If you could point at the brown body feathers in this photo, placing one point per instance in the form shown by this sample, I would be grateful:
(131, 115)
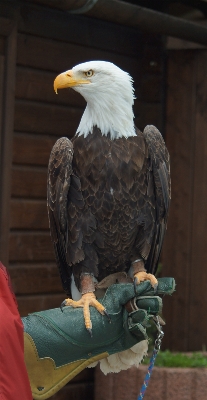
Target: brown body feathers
(108, 202)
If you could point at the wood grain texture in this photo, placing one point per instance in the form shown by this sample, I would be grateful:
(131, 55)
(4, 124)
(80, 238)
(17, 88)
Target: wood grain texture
(198, 271)
(6, 136)
(35, 278)
(58, 56)
(34, 303)
(177, 245)
(30, 246)
(29, 182)
(61, 25)
(29, 214)
(31, 149)
(37, 85)
(46, 118)
(184, 254)
(2, 69)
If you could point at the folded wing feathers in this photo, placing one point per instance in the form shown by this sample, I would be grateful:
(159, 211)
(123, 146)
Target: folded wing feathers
(161, 172)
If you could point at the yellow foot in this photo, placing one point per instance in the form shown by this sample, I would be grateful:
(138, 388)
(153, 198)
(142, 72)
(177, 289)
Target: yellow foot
(87, 299)
(144, 276)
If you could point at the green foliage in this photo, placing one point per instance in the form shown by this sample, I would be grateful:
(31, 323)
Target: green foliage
(168, 359)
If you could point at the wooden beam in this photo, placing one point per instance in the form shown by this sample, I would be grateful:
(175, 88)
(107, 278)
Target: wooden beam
(179, 44)
(197, 332)
(58, 56)
(62, 26)
(177, 249)
(7, 136)
(145, 19)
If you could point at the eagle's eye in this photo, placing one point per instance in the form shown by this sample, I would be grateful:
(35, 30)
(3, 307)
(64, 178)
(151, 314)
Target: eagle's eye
(89, 73)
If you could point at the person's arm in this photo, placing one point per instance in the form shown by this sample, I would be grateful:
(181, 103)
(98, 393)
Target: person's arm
(14, 382)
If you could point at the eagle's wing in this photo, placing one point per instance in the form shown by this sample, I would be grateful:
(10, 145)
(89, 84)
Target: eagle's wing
(64, 191)
(160, 186)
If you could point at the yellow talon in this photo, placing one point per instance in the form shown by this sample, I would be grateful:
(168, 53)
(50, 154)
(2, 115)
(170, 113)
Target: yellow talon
(144, 276)
(87, 299)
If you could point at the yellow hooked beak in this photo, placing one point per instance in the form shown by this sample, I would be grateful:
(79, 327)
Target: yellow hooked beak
(67, 79)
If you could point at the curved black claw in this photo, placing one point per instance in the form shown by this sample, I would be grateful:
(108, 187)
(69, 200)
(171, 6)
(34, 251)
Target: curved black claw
(105, 312)
(63, 304)
(90, 331)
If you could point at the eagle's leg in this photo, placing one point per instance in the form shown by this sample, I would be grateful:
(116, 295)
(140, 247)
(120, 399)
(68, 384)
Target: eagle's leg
(140, 274)
(88, 299)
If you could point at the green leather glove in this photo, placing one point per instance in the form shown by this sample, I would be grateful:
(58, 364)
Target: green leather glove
(58, 347)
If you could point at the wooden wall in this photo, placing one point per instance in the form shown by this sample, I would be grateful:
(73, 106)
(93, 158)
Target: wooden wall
(185, 255)
(47, 43)
(41, 44)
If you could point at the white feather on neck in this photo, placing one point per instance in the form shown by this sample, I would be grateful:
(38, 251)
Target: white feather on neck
(110, 97)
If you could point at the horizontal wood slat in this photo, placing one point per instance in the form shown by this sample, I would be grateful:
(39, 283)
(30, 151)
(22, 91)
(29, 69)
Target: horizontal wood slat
(38, 85)
(30, 149)
(62, 121)
(28, 182)
(46, 118)
(59, 56)
(29, 214)
(91, 32)
(31, 246)
(34, 303)
(35, 278)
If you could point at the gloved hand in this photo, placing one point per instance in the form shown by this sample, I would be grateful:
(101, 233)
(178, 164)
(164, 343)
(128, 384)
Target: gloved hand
(58, 347)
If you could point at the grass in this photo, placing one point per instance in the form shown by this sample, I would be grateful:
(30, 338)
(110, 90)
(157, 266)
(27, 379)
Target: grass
(168, 359)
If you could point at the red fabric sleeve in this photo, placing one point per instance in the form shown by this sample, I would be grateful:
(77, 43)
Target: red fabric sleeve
(14, 382)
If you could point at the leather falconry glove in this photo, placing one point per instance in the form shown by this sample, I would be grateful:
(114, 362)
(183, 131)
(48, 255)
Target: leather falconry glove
(58, 347)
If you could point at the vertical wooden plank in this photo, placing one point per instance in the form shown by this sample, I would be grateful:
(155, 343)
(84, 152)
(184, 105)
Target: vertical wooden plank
(198, 271)
(180, 122)
(2, 66)
(7, 135)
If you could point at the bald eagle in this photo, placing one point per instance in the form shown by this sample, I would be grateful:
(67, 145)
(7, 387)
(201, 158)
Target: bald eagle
(108, 188)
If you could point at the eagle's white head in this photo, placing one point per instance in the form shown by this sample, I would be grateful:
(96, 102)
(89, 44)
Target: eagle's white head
(109, 94)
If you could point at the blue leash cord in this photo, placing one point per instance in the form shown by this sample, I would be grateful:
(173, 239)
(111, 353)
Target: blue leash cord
(158, 342)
